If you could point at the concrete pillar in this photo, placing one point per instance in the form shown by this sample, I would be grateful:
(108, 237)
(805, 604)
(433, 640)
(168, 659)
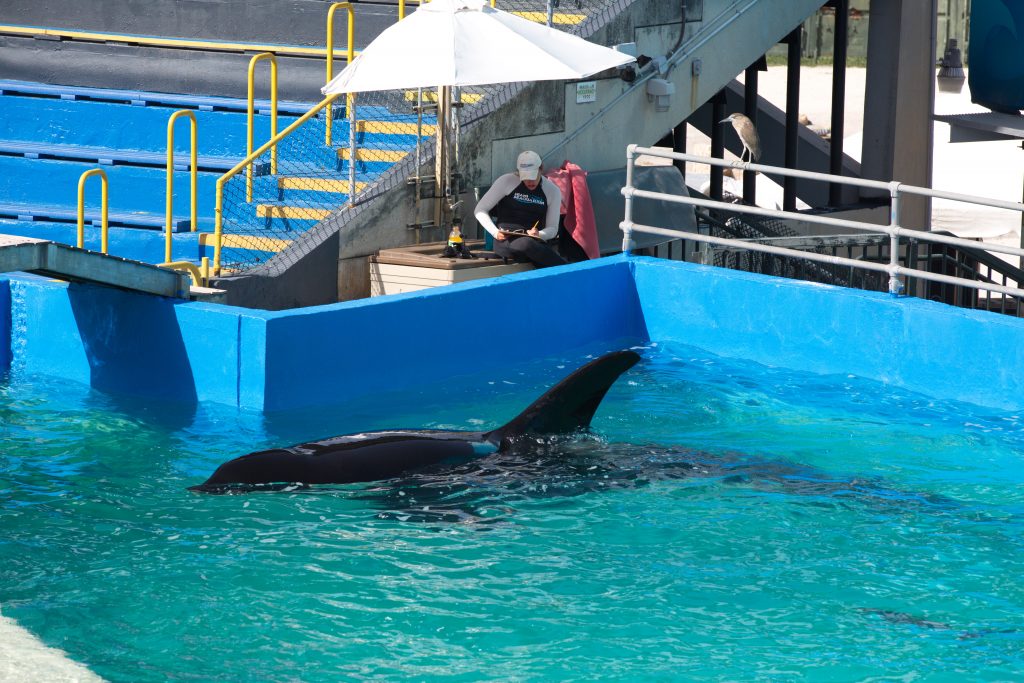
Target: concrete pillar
(899, 100)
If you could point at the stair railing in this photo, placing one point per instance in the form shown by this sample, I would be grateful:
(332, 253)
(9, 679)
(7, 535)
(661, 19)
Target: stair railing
(193, 176)
(251, 115)
(104, 227)
(246, 163)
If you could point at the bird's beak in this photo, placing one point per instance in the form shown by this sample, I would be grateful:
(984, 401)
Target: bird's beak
(725, 120)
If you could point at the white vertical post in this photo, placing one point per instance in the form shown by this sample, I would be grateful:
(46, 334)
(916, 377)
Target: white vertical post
(895, 286)
(627, 220)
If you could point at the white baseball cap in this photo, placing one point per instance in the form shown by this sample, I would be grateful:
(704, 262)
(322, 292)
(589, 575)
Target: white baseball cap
(528, 165)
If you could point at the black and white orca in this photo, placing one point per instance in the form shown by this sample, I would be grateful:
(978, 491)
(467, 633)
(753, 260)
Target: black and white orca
(567, 407)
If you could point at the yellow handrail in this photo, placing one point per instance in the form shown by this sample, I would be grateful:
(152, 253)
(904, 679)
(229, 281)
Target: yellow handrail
(103, 204)
(219, 213)
(349, 56)
(170, 175)
(200, 275)
(401, 7)
(189, 43)
(273, 116)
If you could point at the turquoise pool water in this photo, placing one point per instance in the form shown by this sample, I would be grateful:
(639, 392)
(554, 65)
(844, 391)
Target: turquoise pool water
(726, 521)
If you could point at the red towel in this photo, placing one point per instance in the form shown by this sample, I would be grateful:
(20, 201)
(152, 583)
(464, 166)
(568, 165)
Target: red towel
(576, 206)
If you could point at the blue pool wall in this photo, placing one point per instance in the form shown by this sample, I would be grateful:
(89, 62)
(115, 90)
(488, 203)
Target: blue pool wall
(922, 346)
(5, 325)
(328, 355)
(320, 356)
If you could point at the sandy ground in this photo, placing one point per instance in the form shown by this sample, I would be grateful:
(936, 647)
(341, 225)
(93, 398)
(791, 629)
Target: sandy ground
(987, 169)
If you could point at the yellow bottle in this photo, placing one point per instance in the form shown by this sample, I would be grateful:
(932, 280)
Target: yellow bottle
(455, 237)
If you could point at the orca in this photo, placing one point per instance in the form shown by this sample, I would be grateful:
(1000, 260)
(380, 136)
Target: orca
(567, 407)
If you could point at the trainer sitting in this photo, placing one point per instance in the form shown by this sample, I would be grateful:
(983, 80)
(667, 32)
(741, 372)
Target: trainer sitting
(527, 207)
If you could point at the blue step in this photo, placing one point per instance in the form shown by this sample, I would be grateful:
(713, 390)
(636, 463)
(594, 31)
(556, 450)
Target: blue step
(140, 245)
(117, 126)
(93, 216)
(110, 157)
(132, 189)
(146, 98)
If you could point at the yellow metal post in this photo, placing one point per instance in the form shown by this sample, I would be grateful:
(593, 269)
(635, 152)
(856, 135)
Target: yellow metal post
(349, 55)
(192, 269)
(103, 209)
(193, 161)
(401, 8)
(273, 116)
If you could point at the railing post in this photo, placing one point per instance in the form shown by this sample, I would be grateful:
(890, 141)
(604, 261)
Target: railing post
(627, 191)
(895, 286)
(251, 111)
(350, 55)
(193, 160)
(103, 208)
(218, 221)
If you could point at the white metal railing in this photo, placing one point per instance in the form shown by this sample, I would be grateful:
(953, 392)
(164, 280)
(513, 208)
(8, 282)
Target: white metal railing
(895, 231)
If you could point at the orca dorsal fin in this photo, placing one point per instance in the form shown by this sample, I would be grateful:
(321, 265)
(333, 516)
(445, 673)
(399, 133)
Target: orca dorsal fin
(570, 404)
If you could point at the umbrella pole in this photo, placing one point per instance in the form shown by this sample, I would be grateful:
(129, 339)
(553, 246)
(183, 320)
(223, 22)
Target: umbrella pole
(442, 176)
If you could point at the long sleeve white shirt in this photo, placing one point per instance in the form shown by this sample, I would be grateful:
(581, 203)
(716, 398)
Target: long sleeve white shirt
(504, 186)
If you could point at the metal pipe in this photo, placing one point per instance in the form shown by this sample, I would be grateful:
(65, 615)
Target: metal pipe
(750, 109)
(347, 6)
(627, 219)
(791, 159)
(251, 116)
(193, 160)
(895, 286)
(823, 258)
(551, 13)
(717, 143)
(103, 208)
(922, 235)
(192, 269)
(679, 146)
(835, 190)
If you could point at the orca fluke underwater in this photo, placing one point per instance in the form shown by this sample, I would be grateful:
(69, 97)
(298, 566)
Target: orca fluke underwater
(567, 407)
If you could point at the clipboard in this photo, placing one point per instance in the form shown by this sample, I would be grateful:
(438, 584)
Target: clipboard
(514, 234)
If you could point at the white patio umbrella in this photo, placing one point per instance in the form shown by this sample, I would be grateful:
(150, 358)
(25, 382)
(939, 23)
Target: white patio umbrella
(448, 43)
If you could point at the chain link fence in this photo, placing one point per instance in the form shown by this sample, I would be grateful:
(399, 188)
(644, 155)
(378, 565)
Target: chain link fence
(338, 151)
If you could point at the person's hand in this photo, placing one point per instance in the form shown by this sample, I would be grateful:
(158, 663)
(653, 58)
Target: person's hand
(533, 232)
(500, 236)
